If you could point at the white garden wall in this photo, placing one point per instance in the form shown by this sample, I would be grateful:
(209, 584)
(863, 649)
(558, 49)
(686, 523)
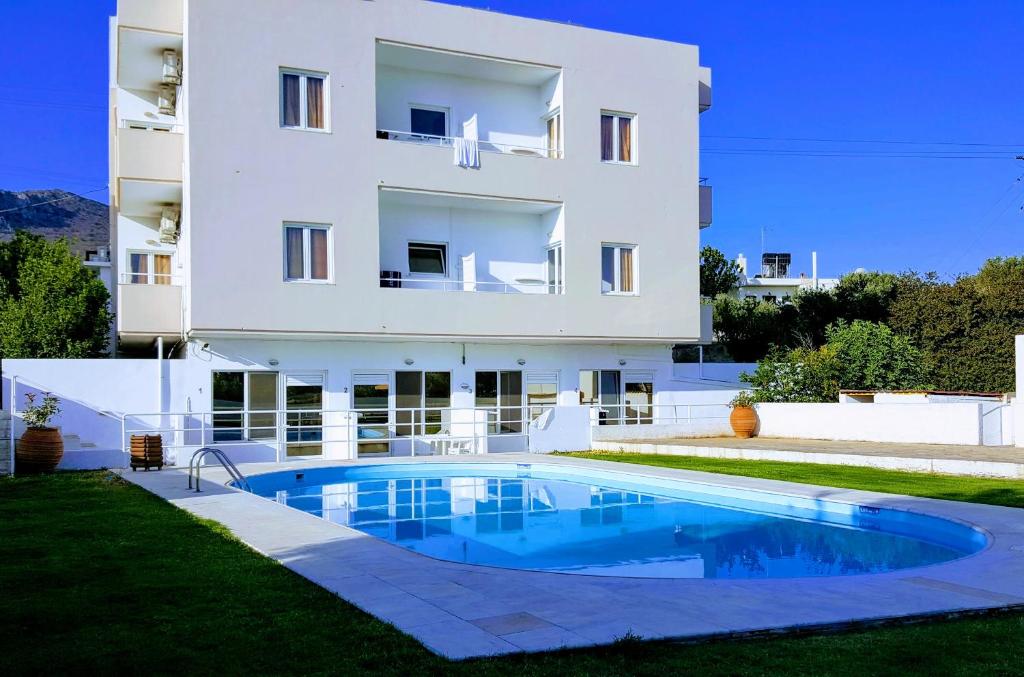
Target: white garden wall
(958, 423)
(1018, 406)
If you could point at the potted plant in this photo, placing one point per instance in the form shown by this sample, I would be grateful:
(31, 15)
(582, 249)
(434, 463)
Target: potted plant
(41, 446)
(743, 418)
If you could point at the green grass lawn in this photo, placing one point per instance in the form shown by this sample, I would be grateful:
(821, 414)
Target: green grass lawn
(97, 575)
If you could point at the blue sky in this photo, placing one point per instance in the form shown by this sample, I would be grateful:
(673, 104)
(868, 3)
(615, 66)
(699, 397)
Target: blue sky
(928, 71)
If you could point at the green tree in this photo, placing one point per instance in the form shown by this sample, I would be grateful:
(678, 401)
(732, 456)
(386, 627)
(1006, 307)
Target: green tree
(718, 275)
(51, 305)
(749, 330)
(866, 296)
(858, 356)
(965, 328)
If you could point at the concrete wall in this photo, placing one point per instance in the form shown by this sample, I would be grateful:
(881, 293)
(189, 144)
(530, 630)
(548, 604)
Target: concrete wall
(906, 423)
(1018, 406)
(248, 175)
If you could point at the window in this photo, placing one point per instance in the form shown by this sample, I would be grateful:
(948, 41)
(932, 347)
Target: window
(425, 393)
(618, 269)
(428, 120)
(428, 258)
(149, 268)
(249, 403)
(307, 252)
(303, 100)
(541, 392)
(371, 392)
(618, 137)
(555, 284)
(303, 400)
(502, 390)
(602, 388)
(554, 124)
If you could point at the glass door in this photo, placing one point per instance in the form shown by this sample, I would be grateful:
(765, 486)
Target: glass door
(371, 395)
(303, 403)
(555, 269)
(502, 390)
(639, 398)
(602, 388)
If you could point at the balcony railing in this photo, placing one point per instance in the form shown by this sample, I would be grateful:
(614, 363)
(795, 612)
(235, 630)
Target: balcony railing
(150, 278)
(524, 286)
(485, 146)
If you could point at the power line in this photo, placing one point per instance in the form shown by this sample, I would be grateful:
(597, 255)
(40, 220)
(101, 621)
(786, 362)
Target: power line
(54, 105)
(47, 202)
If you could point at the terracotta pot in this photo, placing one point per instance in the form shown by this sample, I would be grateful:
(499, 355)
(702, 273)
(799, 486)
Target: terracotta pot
(743, 421)
(39, 450)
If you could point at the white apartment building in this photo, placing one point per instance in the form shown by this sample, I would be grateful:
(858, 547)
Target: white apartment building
(363, 227)
(776, 281)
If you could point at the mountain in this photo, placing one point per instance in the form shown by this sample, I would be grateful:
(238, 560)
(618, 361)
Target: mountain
(83, 221)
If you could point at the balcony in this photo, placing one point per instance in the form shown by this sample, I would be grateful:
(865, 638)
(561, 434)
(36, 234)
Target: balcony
(165, 16)
(438, 98)
(463, 243)
(705, 205)
(145, 311)
(148, 171)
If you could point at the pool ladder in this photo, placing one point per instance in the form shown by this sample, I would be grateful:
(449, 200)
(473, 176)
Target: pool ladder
(233, 471)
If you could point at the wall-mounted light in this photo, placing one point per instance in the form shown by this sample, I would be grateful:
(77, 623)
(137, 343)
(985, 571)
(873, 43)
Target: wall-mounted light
(520, 361)
(464, 386)
(622, 363)
(409, 360)
(273, 362)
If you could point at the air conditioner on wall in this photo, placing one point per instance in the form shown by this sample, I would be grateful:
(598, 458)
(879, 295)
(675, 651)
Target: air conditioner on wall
(172, 67)
(170, 219)
(165, 99)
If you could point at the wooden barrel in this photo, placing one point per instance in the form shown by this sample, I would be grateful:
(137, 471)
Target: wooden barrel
(39, 450)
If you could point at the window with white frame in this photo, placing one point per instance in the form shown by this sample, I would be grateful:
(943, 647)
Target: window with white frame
(618, 269)
(149, 268)
(429, 121)
(618, 137)
(428, 258)
(303, 99)
(555, 269)
(307, 252)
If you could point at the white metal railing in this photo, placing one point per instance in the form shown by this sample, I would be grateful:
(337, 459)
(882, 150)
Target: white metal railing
(524, 286)
(484, 146)
(151, 278)
(151, 126)
(641, 414)
(389, 431)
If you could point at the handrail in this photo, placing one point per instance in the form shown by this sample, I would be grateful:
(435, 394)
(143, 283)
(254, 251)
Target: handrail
(232, 469)
(483, 145)
(524, 286)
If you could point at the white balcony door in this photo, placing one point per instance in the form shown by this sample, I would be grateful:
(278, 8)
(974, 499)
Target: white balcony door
(373, 399)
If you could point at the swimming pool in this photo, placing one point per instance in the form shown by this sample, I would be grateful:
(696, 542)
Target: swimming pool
(571, 519)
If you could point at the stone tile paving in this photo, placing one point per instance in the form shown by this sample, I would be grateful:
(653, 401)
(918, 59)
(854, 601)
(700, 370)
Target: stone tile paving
(463, 611)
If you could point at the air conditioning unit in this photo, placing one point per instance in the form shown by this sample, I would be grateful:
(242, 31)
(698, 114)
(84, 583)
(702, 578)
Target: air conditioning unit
(170, 220)
(172, 67)
(165, 99)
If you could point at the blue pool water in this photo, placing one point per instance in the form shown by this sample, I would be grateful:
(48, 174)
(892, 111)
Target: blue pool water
(579, 520)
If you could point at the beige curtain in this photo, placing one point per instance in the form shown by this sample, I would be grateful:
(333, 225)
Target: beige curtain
(625, 140)
(318, 254)
(626, 269)
(294, 254)
(162, 268)
(290, 93)
(314, 102)
(607, 137)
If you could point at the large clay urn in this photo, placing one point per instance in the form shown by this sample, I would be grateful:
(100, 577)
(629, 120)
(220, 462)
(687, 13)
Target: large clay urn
(38, 451)
(743, 421)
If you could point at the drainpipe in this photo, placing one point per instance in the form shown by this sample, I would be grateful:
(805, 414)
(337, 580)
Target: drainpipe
(700, 361)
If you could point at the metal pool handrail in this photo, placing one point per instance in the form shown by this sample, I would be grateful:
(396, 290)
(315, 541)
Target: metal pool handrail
(232, 469)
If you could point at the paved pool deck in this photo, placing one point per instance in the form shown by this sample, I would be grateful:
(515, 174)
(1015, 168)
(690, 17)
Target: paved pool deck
(981, 461)
(464, 611)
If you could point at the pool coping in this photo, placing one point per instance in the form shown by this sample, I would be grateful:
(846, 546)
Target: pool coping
(465, 611)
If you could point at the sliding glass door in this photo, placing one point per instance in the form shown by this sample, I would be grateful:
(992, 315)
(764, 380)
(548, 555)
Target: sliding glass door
(502, 391)
(304, 403)
(371, 399)
(422, 399)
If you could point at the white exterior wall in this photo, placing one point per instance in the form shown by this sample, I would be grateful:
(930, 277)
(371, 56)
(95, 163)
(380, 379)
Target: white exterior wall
(1018, 405)
(247, 175)
(907, 423)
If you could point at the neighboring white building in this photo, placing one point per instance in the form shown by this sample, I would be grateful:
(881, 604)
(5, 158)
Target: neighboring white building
(775, 281)
(290, 218)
